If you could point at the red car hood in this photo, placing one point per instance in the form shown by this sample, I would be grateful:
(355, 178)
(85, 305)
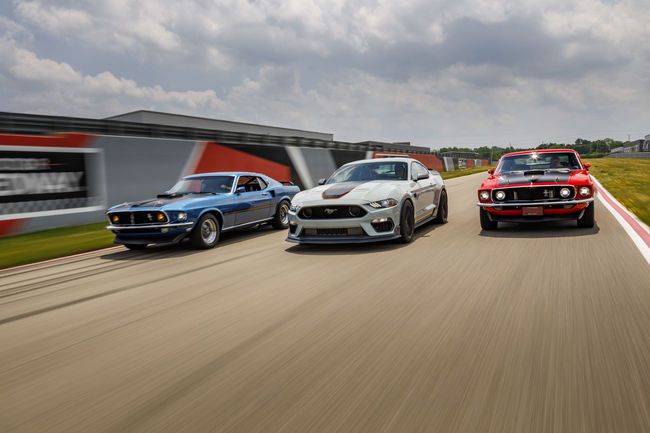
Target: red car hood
(576, 177)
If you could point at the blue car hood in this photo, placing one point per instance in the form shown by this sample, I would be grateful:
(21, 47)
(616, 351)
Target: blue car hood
(173, 203)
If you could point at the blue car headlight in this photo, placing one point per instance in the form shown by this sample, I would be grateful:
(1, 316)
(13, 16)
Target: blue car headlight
(178, 216)
(389, 202)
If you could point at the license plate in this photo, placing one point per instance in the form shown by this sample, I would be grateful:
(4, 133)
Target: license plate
(532, 211)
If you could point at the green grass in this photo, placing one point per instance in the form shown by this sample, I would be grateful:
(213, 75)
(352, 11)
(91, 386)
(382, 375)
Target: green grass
(465, 172)
(628, 180)
(50, 244)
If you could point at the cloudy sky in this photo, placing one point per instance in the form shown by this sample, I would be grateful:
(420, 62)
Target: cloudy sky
(433, 72)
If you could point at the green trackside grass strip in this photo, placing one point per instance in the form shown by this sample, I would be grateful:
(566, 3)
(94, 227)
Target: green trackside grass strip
(465, 172)
(628, 180)
(51, 244)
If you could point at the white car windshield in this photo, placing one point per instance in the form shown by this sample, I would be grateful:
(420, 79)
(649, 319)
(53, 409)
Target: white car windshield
(203, 185)
(380, 170)
(539, 161)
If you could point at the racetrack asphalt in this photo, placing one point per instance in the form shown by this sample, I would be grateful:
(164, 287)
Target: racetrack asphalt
(525, 329)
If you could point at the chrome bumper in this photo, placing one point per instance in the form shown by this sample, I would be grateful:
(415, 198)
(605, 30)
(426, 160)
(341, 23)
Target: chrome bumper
(536, 203)
(148, 226)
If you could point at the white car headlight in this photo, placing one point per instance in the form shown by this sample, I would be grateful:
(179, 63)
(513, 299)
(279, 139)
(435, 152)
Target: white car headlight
(500, 195)
(389, 202)
(484, 195)
(565, 192)
(294, 208)
(181, 216)
(584, 191)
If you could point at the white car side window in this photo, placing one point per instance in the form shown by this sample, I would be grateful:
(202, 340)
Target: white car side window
(417, 169)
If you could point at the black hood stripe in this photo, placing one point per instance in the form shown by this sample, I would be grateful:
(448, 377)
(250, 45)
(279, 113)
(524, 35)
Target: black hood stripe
(338, 190)
(518, 178)
(158, 202)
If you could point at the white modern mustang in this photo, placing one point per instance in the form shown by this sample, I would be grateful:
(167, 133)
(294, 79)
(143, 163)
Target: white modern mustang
(367, 201)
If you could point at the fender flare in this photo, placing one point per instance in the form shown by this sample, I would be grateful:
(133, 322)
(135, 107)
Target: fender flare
(280, 200)
(407, 197)
(212, 210)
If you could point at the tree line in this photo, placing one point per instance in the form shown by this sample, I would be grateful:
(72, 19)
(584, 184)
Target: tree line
(584, 147)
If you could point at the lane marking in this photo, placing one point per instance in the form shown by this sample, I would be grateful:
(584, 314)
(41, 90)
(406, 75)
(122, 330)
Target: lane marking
(58, 259)
(637, 230)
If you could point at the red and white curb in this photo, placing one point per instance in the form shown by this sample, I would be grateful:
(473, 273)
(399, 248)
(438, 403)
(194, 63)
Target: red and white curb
(59, 259)
(637, 230)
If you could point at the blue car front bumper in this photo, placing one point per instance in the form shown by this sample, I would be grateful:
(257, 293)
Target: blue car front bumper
(150, 234)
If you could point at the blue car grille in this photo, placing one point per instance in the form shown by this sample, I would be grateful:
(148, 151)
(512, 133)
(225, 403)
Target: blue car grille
(136, 217)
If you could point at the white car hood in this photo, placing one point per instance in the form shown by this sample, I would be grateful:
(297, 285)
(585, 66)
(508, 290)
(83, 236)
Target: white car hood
(352, 192)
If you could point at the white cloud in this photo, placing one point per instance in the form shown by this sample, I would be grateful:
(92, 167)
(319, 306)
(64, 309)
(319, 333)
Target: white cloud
(12, 29)
(112, 26)
(432, 72)
(47, 86)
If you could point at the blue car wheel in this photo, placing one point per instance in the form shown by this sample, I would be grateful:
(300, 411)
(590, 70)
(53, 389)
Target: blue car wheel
(206, 232)
(281, 220)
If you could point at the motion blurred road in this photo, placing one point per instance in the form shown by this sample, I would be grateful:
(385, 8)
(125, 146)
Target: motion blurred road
(526, 329)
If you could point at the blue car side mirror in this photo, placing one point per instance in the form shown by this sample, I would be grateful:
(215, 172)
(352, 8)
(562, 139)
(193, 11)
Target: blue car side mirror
(241, 189)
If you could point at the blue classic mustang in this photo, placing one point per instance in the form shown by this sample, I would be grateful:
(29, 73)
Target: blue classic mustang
(200, 207)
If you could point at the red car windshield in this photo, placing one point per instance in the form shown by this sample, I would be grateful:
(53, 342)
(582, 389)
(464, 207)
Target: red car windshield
(563, 161)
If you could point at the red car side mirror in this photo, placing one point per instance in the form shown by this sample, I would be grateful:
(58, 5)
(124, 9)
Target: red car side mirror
(587, 165)
(491, 171)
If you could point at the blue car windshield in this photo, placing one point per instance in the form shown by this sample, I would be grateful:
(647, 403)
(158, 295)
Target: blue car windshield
(380, 170)
(207, 185)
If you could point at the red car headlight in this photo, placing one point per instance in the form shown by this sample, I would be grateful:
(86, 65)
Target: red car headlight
(584, 191)
(484, 195)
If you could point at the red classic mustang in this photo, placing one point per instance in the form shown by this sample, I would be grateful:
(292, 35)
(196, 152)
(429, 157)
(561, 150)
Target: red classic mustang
(537, 185)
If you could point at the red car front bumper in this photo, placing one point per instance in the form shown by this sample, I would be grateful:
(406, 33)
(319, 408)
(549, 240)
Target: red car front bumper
(552, 210)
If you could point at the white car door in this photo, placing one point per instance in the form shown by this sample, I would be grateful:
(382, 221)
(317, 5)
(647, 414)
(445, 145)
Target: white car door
(423, 189)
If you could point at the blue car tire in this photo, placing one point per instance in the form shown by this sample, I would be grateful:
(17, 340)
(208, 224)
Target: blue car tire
(281, 219)
(206, 232)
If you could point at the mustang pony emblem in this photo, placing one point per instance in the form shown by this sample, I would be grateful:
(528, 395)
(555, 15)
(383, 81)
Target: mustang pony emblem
(329, 211)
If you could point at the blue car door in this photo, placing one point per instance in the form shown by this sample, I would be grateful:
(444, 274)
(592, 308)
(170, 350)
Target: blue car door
(253, 200)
